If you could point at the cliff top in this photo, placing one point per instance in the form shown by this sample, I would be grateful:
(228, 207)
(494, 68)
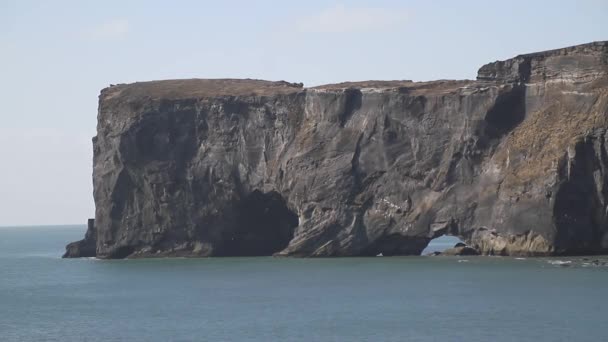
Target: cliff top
(440, 86)
(198, 88)
(367, 84)
(598, 46)
(577, 61)
(202, 88)
(591, 58)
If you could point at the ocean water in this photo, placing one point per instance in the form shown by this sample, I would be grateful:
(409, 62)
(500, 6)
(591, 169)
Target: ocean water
(46, 298)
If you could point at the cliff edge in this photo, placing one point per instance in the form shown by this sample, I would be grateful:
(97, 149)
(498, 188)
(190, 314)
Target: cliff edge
(513, 163)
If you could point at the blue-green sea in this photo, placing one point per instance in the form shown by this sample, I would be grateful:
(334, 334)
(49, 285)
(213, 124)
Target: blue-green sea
(46, 298)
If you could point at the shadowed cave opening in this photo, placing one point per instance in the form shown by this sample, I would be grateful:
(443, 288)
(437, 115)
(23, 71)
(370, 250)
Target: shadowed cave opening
(264, 226)
(440, 244)
(508, 112)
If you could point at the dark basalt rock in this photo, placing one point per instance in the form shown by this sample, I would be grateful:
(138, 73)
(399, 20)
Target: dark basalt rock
(514, 163)
(460, 251)
(86, 247)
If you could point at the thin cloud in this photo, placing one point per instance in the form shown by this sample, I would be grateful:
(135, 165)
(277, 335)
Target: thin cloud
(114, 29)
(342, 19)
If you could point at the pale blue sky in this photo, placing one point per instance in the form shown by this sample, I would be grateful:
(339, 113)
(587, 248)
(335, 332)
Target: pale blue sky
(56, 55)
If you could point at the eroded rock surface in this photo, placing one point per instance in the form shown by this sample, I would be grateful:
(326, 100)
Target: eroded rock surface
(513, 163)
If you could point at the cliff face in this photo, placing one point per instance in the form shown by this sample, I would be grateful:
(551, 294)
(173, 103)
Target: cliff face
(514, 163)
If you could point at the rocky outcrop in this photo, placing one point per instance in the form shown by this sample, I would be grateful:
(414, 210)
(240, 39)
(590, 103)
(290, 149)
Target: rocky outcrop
(460, 249)
(513, 163)
(86, 247)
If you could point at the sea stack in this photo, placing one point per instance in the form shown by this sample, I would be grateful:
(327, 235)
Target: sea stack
(513, 163)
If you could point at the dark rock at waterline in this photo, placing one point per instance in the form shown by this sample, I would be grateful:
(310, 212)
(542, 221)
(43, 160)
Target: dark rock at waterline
(460, 251)
(513, 163)
(85, 247)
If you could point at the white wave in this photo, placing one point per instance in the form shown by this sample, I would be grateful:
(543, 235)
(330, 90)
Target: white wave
(560, 262)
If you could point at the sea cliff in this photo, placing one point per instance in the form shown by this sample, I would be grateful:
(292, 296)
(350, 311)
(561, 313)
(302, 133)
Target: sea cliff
(513, 163)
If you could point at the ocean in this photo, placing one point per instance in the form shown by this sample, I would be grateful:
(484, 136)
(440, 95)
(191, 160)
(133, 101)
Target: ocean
(46, 298)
